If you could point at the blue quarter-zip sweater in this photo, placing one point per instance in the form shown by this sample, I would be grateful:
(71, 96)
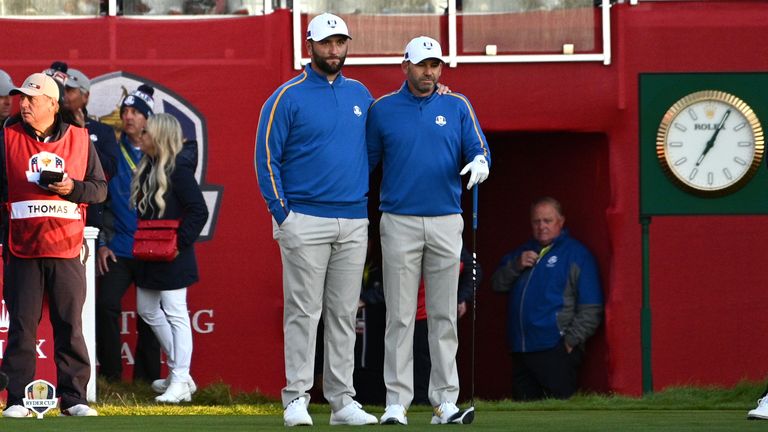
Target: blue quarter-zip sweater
(310, 151)
(423, 142)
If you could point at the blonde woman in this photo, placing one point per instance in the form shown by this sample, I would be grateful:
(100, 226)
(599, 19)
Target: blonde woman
(164, 187)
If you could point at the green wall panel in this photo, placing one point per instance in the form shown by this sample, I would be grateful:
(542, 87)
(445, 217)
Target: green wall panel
(658, 195)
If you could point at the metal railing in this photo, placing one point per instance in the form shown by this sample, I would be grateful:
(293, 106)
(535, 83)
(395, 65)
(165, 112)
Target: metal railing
(164, 9)
(440, 16)
(601, 50)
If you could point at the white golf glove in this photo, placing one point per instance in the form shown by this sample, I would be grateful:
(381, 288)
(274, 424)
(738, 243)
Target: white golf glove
(480, 171)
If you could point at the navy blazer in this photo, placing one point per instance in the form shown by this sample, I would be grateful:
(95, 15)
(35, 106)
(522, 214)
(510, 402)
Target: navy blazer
(183, 200)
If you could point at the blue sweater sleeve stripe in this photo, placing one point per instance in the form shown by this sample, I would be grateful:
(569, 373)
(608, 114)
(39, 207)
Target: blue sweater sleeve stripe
(383, 97)
(474, 122)
(310, 148)
(267, 149)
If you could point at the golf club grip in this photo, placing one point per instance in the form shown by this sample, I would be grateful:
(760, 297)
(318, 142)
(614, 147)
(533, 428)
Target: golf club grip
(474, 206)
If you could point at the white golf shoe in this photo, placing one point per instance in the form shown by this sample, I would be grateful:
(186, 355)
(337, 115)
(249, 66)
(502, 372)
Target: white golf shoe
(448, 412)
(79, 410)
(17, 411)
(296, 413)
(176, 392)
(394, 415)
(161, 385)
(352, 414)
(761, 412)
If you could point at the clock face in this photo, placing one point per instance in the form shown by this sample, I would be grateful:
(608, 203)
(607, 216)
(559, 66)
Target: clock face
(710, 143)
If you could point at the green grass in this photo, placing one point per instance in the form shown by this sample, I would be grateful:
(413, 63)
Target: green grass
(520, 420)
(125, 407)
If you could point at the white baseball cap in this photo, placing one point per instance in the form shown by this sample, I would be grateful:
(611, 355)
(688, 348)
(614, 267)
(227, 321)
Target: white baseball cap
(422, 48)
(6, 83)
(325, 25)
(38, 84)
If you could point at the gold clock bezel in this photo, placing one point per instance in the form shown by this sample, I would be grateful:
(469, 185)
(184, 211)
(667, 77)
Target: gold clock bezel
(719, 96)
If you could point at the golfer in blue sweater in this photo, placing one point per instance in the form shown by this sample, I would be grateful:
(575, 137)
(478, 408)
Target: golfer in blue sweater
(313, 174)
(423, 139)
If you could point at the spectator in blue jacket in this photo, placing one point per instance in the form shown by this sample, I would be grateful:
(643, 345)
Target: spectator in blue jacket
(114, 254)
(555, 305)
(422, 139)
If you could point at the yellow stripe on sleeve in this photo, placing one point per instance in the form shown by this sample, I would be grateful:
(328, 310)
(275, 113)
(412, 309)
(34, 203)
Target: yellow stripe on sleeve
(382, 97)
(474, 121)
(269, 131)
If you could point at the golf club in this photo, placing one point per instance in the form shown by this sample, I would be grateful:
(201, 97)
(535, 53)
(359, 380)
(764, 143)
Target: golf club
(474, 296)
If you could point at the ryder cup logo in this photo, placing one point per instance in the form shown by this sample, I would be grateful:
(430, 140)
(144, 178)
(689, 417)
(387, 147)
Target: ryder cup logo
(440, 121)
(357, 111)
(107, 91)
(41, 396)
(43, 161)
(552, 261)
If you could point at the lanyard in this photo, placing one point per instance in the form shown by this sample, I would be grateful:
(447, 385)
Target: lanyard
(128, 158)
(544, 251)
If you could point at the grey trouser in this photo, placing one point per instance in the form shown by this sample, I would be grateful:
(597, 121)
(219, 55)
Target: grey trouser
(414, 247)
(323, 261)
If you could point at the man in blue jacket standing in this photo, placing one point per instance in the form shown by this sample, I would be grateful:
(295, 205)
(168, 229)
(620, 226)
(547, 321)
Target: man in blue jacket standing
(114, 254)
(312, 170)
(555, 305)
(422, 139)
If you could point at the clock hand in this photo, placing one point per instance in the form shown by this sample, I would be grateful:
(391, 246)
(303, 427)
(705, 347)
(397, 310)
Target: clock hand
(711, 142)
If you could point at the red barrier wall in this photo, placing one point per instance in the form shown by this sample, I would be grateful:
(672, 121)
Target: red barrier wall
(565, 129)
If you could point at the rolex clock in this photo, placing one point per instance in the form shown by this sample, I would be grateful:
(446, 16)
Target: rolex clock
(710, 143)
